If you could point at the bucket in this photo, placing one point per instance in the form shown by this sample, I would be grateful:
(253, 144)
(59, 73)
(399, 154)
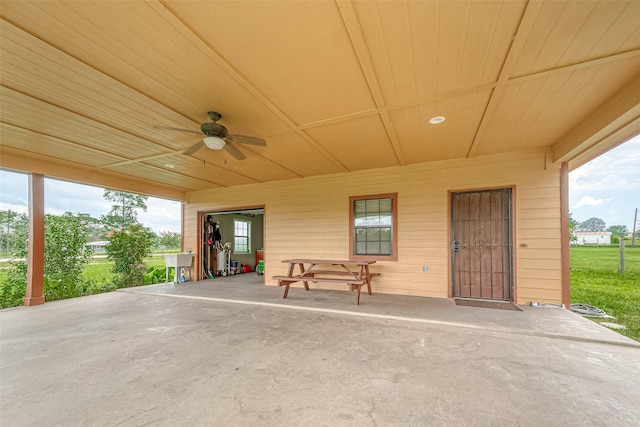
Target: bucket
(234, 265)
(246, 268)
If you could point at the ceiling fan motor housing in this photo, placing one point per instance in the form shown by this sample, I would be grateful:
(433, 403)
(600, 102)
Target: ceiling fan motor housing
(214, 129)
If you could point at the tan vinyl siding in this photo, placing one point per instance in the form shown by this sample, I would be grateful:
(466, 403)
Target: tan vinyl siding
(309, 218)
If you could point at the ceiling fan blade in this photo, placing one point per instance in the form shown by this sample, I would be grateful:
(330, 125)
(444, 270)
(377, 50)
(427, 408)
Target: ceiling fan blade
(178, 129)
(234, 151)
(247, 140)
(195, 147)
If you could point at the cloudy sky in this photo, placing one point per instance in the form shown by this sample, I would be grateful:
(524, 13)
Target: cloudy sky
(61, 197)
(607, 188)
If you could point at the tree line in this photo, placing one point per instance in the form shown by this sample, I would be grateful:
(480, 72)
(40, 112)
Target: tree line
(597, 225)
(123, 213)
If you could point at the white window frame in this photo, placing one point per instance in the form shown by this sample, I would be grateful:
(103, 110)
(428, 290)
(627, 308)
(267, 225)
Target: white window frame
(237, 236)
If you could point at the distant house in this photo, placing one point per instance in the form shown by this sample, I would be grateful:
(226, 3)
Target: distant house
(592, 237)
(98, 246)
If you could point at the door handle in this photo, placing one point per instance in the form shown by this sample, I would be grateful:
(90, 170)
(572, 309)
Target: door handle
(455, 246)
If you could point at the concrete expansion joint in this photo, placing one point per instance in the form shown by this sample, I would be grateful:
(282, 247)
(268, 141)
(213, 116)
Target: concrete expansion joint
(626, 343)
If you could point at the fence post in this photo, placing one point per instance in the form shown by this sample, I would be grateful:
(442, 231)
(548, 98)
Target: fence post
(621, 254)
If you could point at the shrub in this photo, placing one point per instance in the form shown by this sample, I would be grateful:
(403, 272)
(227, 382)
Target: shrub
(127, 248)
(157, 275)
(65, 255)
(14, 287)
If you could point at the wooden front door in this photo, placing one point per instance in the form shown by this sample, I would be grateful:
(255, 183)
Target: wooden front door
(481, 244)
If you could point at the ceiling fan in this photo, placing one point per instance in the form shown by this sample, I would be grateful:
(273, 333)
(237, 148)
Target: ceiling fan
(216, 137)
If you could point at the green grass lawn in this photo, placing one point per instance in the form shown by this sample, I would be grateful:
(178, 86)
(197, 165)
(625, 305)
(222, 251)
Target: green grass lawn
(99, 270)
(595, 281)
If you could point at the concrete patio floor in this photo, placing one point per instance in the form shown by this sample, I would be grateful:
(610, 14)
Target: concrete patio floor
(230, 351)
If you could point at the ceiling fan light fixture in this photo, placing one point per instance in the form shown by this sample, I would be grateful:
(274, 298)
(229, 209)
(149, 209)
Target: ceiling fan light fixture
(436, 120)
(214, 143)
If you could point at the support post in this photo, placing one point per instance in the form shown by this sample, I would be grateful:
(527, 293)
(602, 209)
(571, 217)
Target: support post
(35, 259)
(564, 238)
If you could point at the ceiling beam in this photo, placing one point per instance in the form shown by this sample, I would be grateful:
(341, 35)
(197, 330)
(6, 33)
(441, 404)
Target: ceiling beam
(13, 159)
(529, 19)
(442, 96)
(577, 66)
(610, 142)
(361, 49)
(172, 16)
(330, 121)
(609, 125)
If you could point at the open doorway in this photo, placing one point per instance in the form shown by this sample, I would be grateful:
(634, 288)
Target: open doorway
(232, 242)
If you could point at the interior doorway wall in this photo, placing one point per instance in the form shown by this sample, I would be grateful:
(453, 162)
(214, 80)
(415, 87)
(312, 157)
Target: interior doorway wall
(481, 244)
(220, 226)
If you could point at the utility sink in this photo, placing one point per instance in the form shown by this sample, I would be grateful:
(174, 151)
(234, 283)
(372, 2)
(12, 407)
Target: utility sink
(178, 261)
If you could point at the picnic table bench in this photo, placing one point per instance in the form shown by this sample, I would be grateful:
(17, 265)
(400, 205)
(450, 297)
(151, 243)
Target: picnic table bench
(354, 274)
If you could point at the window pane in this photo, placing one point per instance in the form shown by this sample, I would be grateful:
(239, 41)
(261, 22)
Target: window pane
(385, 234)
(386, 220)
(385, 206)
(241, 240)
(373, 234)
(373, 248)
(361, 248)
(359, 206)
(240, 244)
(360, 219)
(385, 248)
(372, 206)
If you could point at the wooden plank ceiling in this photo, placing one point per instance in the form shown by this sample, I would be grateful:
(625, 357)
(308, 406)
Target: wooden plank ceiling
(90, 90)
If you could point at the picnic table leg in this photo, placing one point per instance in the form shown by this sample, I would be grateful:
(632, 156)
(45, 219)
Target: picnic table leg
(358, 295)
(368, 276)
(287, 284)
(306, 284)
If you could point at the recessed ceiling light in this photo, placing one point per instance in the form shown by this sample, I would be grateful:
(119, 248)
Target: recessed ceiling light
(169, 165)
(436, 120)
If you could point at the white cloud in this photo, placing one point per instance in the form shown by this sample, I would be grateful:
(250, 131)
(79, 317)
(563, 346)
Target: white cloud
(590, 201)
(617, 169)
(161, 215)
(13, 207)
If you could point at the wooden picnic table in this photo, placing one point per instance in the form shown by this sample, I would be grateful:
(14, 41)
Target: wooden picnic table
(355, 274)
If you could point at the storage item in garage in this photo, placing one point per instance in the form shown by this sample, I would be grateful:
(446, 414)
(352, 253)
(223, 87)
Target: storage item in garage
(259, 256)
